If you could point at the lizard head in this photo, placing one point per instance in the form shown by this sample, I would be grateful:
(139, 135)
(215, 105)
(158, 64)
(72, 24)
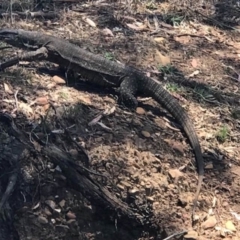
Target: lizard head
(22, 38)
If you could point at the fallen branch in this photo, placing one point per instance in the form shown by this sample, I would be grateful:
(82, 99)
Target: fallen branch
(79, 181)
(28, 14)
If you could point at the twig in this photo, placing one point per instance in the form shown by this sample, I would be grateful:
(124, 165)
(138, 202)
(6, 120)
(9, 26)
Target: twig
(194, 35)
(16, 100)
(175, 234)
(11, 13)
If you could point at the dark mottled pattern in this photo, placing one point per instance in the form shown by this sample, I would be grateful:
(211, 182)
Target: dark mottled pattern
(103, 72)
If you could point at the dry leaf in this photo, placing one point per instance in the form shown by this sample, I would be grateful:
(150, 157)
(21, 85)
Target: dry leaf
(183, 39)
(89, 22)
(194, 63)
(159, 39)
(235, 170)
(51, 85)
(237, 216)
(7, 88)
(109, 111)
(95, 120)
(160, 122)
(58, 80)
(146, 134)
(25, 108)
(107, 32)
(230, 226)
(194, 74)
(135, 27)
(161, 59)
(71, 215)
(41, 101)
(84, 99)
(46, 107)
(178, 146)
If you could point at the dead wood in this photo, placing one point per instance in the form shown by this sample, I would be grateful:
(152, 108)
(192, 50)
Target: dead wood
(39, 54)
(78, 179)
(82, 182)
(28, 14)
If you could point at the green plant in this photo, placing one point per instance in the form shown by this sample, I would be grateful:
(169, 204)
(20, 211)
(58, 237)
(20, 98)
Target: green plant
(167, 69)
(64, 95)
(109, 56)
(176, 20)
(222, 134)
(205, 94)
(172, 87)
(151, 5)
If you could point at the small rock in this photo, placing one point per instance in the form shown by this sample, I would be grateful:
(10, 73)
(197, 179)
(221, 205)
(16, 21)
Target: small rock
(47, 212)
(73, 152)
(183, 202)
(146, 134)
(126, 184)
(62, 203)
(53, 220)
(175, 173)
(230, 226)
(140, 111)
(58, 210)
(154, 170)
(71, 215)
(225, 204)
(191, 235)
(42, 220)
(134, 191)
(151, 199)
(222, 233)
(71, 221)
(209, 166)
(51, 204)
(209, 223)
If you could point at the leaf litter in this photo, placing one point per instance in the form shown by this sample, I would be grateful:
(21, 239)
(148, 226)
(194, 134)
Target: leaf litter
(149, 158)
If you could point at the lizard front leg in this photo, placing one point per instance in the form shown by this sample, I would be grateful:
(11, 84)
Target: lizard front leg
(39, 54)
(128, 88)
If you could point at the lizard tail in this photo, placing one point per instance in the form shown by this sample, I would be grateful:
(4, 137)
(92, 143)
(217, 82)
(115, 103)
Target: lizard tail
(154, 89)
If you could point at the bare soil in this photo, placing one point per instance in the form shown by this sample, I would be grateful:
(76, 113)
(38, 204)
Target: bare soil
(145, 155)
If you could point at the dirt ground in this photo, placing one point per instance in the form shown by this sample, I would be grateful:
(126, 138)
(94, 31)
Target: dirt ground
(194, 52)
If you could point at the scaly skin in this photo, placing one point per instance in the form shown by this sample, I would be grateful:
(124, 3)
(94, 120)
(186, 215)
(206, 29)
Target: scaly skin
(110, 74)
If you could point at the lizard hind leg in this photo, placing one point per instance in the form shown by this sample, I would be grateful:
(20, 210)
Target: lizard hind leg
(128, 88)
